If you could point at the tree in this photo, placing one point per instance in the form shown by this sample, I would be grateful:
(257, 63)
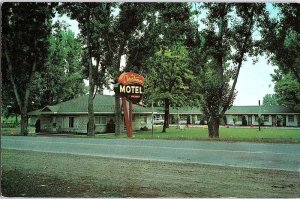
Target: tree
(287, 91)
(26, 28)
(281, 38)
(219, 52)
(124, 29)
(62, 78)
(167, 79)
(270, 100)
(163, 38)
(94, 23)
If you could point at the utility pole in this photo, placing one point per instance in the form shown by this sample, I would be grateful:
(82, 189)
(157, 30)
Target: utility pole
(259, 115)
(152, 117)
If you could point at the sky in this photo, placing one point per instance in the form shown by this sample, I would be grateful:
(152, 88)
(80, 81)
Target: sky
(254, 80)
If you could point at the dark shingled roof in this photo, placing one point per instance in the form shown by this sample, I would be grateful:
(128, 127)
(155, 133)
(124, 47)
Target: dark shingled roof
(102, 104)
(234, 110)
(257, 110)
(106, 104)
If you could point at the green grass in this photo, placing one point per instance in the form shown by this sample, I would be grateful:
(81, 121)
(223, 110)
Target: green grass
(10, 119)
(278, 135)
(16, 131)
(37, 174)
(226, 134)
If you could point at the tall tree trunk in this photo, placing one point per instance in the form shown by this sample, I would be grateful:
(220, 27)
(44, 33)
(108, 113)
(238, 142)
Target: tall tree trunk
(23, 105)
(118, 116)
(167, 113)
(239, 64)
(118, 111)
(91, 123)
(24, 123)
(213, 127)
(214, 121)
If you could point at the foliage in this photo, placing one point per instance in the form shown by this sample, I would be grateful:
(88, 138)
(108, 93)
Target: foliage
(94, 22)
(287, 90)
(218, 53)
(282, 43)
(157, 32)
(270, 100)
(164, 35)
(168, 76)
(125, 29)
(26, 28)
(281, 37)
(62, 78)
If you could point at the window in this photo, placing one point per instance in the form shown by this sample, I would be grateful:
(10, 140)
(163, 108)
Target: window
(291, 118)
(239, 118)
(183, 117)
(256, 118)
(71, 122)
(100, 120)
(266, 118)
(144, 120)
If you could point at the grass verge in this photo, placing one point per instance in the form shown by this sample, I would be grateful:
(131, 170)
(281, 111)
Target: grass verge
(16, 131)
(277, 135)
(273, 135)
(36, 174)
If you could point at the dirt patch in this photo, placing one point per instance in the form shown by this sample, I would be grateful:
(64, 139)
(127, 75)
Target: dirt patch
(35, 174)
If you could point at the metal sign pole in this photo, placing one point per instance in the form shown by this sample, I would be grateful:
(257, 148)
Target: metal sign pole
(152, 117)
(127, 122)
(259, 115)
(130, 118)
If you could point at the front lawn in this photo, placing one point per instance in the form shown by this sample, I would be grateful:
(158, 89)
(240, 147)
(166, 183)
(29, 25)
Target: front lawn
(16, 131)
(279, 135)
(226, 134)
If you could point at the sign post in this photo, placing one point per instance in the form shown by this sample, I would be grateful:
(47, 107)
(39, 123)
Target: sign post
(259, 115)
(131, 88)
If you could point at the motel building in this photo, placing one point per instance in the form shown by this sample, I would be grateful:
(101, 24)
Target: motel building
(72, 116)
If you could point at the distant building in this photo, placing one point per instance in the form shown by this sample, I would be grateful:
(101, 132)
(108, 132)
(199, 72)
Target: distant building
(72, 116)
(244, 115)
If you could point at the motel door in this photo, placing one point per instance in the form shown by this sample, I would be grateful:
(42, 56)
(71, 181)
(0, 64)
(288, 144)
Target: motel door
(249, 120)
(273, 120)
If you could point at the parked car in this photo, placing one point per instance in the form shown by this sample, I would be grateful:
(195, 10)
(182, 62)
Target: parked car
(158, 121)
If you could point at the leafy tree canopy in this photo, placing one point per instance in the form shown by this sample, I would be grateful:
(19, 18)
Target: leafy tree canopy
(281, 36)
(287, 90)
(270, 100)
(26, 28)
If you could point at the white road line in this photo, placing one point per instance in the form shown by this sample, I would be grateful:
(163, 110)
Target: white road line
(163, 147)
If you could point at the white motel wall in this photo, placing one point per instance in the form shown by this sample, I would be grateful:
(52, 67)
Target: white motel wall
(71, 116)
(78, 123)
(268, 120)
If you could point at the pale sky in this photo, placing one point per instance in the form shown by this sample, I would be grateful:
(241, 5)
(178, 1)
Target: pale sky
(254, 81)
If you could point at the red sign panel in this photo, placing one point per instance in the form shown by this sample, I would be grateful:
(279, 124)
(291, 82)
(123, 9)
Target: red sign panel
(131, 86)
(131, 78)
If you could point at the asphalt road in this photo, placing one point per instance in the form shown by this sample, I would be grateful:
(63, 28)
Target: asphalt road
(238, 154)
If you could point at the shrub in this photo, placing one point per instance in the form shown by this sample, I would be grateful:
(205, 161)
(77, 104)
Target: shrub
(144, 128)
